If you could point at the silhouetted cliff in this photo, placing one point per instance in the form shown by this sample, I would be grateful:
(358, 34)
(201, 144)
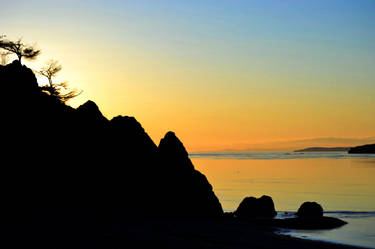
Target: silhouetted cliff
(363, 149)
(187, 183)
(60, 160)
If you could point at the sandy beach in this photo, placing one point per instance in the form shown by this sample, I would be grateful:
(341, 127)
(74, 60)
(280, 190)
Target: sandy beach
(149, 233)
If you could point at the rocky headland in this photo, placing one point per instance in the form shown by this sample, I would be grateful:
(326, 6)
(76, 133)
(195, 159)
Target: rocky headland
(73, 178)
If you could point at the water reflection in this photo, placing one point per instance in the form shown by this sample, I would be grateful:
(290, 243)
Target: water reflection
(365, 163)
(359, 231)
(338, 184)
(337, 181)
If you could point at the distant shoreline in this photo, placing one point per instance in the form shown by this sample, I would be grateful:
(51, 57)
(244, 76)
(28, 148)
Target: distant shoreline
(324, 149)
(278, 155)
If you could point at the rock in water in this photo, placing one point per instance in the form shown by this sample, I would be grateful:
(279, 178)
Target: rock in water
(309, 223)
(251, 207)
(310, 209)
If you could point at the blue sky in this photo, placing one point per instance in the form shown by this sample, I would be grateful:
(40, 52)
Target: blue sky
(220, 66)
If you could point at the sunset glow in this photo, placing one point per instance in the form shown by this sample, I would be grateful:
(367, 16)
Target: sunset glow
(223, 75)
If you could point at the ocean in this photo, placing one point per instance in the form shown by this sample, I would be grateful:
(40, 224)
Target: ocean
(344, 184)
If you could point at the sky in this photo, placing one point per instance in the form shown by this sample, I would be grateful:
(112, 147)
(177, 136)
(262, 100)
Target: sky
(223, 75)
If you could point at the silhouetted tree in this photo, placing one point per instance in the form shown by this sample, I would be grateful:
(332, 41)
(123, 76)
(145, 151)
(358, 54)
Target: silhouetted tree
(19, 48)
(58, 90)
(50, 70)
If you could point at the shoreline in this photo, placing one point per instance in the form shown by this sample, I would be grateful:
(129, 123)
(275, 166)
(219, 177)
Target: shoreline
(345, 245)
(222, 233)
(69, 232)
(330, 244)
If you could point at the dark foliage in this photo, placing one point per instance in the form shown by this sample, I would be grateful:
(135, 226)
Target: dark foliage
(20, 49)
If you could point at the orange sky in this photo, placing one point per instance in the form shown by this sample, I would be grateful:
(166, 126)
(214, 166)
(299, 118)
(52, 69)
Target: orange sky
(222, 76)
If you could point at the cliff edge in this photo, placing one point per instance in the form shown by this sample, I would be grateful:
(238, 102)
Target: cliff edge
(58, 160)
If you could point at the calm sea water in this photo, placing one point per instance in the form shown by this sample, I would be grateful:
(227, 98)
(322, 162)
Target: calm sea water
(343, 184)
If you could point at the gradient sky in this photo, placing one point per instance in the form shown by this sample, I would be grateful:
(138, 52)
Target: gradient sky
(221, 74)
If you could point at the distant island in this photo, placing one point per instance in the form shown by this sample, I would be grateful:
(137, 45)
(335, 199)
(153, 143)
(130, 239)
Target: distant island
(363, 149)
(324, 149)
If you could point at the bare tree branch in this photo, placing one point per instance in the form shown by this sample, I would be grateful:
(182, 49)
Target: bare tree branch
(50, 70)
(19, 48)
(58, 90)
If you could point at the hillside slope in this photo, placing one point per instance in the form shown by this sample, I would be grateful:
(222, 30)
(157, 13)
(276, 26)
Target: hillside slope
(60, 161)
